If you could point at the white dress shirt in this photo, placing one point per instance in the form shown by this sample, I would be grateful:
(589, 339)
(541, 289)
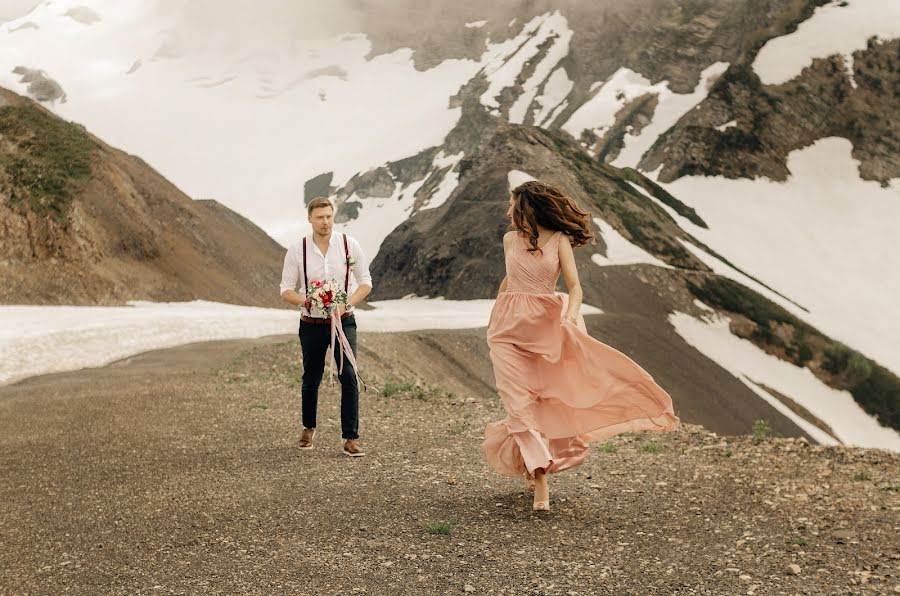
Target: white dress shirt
(331, 265)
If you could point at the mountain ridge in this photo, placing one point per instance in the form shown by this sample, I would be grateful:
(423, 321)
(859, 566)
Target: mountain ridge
(84, 223)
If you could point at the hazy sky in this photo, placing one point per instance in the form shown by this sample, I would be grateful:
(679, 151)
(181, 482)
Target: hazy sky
(303, 19)
(13, 9)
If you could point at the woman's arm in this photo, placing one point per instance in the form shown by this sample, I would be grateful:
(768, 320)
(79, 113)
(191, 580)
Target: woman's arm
(570, 274)
(507, 239)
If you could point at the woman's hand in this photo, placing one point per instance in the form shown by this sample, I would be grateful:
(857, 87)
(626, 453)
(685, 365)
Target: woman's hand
(572, 318)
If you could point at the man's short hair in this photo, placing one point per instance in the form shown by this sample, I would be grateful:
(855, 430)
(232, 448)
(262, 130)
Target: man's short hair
(318, 203)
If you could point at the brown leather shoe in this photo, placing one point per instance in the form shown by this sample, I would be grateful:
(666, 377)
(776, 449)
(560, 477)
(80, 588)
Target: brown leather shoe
(306, 439)
(353, 448)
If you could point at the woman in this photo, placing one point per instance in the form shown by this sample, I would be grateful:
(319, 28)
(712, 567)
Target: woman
(560, 387)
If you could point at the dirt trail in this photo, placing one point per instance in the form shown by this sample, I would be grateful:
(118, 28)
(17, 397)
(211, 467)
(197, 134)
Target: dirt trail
(176, 472)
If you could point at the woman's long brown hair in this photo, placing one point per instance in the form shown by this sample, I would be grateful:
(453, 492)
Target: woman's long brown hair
(538, 203)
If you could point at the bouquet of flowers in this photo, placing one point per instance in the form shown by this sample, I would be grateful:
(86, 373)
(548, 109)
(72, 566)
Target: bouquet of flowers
(323, 297)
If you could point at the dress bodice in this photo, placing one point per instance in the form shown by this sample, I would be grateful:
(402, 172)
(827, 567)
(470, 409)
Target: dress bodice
(533, 272)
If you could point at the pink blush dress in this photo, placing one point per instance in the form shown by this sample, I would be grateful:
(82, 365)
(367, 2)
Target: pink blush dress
(561, 388)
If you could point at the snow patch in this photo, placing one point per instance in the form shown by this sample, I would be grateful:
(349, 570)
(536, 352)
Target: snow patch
(506, 60)
(556, 90)
(516, 177)
(720, 267)
(43, 339)
(832, 29)
(848, 67)
(476, 24)
(378, 217)
(599, 112)
(448, 183)
(620, 251)
(414, 313)
(752, 366)
(825, 238)
(726, 126)
(670, 108)
(559, 26)
(38, 340)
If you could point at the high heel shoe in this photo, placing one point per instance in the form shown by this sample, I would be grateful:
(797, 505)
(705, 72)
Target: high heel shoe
(541, 505)
(542, 493)
(529, 482)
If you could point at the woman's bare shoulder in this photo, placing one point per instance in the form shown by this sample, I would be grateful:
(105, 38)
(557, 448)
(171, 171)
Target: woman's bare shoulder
(508, 239)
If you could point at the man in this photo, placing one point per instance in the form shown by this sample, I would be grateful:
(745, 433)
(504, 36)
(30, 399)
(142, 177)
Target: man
(322, 256)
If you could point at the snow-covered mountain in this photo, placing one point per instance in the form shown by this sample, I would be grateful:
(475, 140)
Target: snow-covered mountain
(770, 126)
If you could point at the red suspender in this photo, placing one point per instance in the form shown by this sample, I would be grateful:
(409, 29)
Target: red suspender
(347, 262)
(305, 281)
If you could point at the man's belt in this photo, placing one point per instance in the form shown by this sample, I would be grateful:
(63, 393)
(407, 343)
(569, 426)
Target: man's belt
(318, 321)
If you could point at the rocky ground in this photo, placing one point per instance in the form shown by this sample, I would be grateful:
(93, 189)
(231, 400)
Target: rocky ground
(177, 472)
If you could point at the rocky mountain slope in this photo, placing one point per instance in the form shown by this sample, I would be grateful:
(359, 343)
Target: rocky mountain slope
(455, 251)
(746, 129)
(725, 149)
(83, 223)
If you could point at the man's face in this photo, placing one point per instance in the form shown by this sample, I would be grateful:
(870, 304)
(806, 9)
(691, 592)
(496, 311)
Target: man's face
(322, 220)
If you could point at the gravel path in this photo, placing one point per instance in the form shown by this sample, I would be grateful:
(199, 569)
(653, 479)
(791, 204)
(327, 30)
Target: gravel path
(177, 472)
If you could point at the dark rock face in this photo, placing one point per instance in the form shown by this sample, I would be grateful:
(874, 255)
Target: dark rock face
(40, 86)
(456, 250)
(772, 121)
(320, 186)
(376, 183)
(674, 41)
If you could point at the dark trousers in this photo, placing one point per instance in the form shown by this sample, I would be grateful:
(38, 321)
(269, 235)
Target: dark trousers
(314, 342)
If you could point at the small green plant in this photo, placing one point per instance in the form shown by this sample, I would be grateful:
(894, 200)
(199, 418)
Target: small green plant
(394, 386)
(862, 476)
(761, 431)
(850, 364)
(459, 427)
(894, 488)
(651, 447)
(440, 528)
(804, 354)
(607, 448)
(728, 453)
(800, 541)
(259, 407)
(422, 392)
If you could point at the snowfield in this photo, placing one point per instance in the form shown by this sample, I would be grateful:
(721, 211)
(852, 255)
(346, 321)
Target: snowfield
(37, 340)
(825, 239)
(756, 369)
(833, 29)
(41, 339)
